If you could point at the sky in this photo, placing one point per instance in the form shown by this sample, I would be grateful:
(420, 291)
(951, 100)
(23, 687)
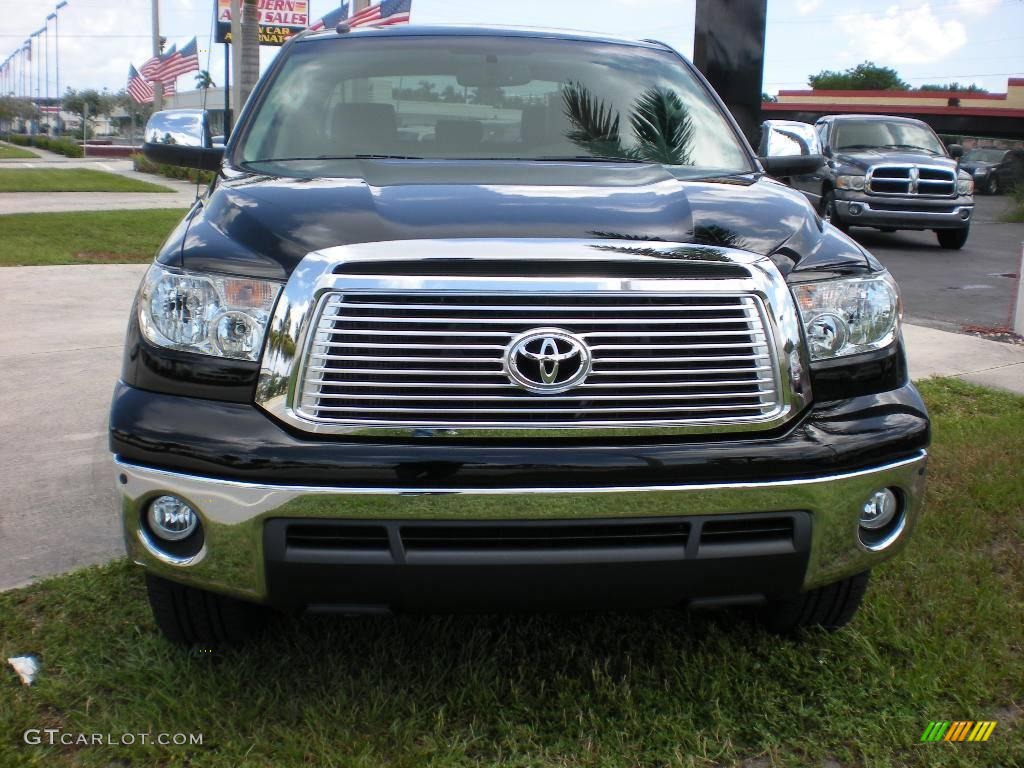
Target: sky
(927, 41)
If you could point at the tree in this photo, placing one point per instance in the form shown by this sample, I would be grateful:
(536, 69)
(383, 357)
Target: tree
(767, 98)
(89, 103)
(250, 68)
(204, 81)
(954, 86)
(864, 77)
(660, 125)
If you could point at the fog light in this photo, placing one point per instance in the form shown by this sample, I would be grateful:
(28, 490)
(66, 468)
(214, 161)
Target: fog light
(965, 213)
(172, 519)
(855, 209)
(879, 510)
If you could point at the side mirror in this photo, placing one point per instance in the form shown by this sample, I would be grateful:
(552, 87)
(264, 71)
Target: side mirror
(182, 137)
(955, 151)
(791, 165)
(789, 148)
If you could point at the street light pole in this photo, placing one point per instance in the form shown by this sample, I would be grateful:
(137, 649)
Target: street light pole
(49, 115)
(56, 31)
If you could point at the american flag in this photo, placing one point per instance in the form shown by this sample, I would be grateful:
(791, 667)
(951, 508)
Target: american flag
(331, 19)
(383, 14)
(140, 91)
(180, 62)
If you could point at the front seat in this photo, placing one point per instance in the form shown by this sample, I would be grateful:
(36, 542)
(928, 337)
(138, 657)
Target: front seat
(363, 128)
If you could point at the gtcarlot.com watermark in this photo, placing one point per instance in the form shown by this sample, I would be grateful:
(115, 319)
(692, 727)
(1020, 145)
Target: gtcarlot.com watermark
(52, 737)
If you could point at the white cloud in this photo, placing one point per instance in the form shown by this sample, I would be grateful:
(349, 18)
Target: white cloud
(804, 7)
(903, 36)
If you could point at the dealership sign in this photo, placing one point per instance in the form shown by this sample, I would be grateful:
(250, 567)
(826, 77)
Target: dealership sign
(279, 20)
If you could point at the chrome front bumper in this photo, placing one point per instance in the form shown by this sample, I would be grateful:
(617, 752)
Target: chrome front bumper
(910, 218)
(234, 514)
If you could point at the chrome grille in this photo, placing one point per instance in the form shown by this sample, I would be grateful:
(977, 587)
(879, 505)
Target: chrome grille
(930, 181)
(434, 360)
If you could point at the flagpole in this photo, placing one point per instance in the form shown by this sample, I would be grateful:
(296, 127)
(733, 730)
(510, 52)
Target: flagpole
(158, 86)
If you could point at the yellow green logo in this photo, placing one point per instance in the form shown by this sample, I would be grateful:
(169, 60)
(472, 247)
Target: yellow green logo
(958, 730)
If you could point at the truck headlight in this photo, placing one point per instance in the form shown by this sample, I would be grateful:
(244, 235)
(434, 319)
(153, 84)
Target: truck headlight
(855, 183)
(849, 316)
(206, 314)
(965, 184)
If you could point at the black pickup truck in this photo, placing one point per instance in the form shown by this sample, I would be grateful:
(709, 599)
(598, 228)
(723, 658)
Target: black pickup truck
(499, 319)
(884, 172)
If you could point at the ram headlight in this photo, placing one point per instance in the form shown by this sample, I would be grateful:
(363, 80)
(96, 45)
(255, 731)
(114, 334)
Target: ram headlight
(855, 183)
(964, 184)
(206, 314)
(849, 316)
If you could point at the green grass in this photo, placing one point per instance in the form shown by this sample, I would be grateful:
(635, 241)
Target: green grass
(70, 180)
(940, 638)
(1015, 214)
(10, 152)
(93, 237)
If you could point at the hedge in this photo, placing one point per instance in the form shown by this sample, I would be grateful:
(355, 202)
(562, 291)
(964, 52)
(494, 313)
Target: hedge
(60, 146)
(142, 165)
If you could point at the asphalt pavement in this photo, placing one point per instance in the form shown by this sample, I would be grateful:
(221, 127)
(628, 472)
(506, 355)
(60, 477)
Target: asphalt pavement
(952, 289)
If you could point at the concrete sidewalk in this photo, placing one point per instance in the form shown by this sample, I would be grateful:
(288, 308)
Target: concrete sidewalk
(57, 509)
(989, 363)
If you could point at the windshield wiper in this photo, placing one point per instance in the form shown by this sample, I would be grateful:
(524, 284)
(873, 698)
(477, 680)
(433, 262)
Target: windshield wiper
(334, 157)
(857, 146)
(912, 146)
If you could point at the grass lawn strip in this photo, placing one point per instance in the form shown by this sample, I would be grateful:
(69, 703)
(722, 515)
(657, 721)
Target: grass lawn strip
(11, 152)
(71, 180)
(940, 638)
(90, 237)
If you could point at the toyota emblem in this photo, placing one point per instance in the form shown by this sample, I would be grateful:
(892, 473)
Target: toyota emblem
(547, 360)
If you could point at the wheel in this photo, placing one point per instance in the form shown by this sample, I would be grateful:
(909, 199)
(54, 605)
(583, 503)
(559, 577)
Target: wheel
(829, 607)
(190, 616)
(992, 186)
(953, 239)
(829, 213)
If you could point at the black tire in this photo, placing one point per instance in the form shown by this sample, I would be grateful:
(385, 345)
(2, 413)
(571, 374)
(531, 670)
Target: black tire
(190, 616)
(829, 213)
(829, 607)
(953, 239)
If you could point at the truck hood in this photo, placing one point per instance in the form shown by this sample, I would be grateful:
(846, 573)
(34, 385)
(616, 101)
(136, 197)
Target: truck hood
(865, 158)
(264, 225)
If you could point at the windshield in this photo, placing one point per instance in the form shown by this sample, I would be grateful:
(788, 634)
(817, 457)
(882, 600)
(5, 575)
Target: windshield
(872, 134)
(458, 97)
(985, 155)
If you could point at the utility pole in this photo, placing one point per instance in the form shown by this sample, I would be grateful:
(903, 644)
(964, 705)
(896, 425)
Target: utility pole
(158, 87)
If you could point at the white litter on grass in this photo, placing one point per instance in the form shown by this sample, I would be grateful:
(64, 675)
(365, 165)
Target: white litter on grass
(26, 667)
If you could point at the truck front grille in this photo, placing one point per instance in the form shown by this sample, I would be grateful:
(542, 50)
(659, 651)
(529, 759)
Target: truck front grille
(439, 360)
(911, 180)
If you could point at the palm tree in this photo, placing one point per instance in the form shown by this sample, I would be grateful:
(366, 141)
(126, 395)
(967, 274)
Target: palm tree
(661, 127)
(204, 81)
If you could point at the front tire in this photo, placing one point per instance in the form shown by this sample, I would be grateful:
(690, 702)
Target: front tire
(190, 616)
(953, 239)
(829, 607)
(829, 213)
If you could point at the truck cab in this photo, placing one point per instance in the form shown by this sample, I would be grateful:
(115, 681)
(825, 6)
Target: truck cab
(889, 173)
